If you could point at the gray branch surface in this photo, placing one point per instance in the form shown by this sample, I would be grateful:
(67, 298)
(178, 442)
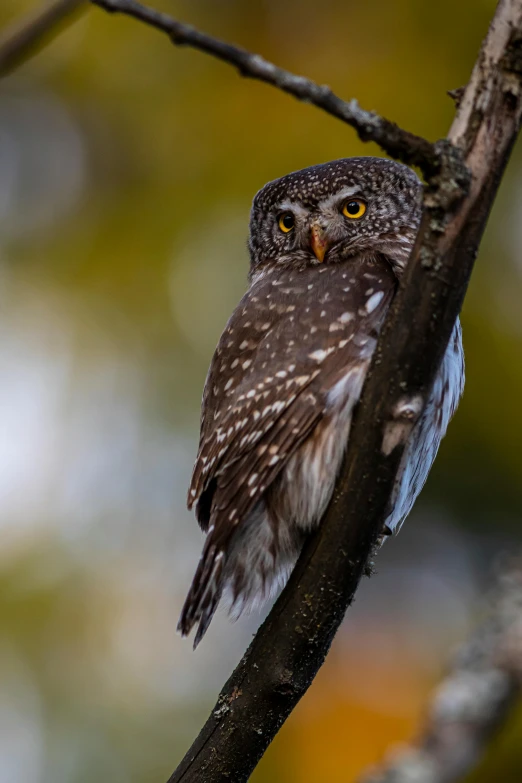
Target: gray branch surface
(24, 39)
(474, 698)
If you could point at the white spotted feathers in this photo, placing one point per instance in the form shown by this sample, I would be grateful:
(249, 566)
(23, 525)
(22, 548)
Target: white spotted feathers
(289, 369)
(268, 389)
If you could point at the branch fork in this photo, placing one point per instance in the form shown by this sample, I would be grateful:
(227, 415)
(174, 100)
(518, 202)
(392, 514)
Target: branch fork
(462, 174)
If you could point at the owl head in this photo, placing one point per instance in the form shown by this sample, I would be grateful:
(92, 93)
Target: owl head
(326, 213)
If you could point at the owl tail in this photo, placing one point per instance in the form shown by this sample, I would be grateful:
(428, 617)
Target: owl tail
(205, 592)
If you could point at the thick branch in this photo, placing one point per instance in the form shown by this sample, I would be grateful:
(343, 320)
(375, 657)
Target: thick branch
(26, 38)
(291, 645)
(294, 640)
(473, 700)
(398, 143)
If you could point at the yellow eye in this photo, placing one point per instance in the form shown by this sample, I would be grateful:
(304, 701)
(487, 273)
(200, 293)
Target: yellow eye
(354, 208)
(286, 222)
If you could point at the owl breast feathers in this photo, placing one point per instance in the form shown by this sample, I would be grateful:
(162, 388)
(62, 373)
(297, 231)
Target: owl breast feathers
(328, 245)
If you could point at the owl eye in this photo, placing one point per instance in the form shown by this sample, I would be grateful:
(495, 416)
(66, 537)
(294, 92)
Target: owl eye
(286, 222)
(354, 208)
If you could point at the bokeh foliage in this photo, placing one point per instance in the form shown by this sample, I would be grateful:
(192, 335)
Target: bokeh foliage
(127, 168)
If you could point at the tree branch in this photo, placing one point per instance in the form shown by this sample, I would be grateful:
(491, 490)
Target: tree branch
(473, 700)
(463, 174)
(25, 39)
(398, 143)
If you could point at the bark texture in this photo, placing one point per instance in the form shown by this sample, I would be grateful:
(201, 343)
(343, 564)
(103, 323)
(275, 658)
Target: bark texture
(462, 175)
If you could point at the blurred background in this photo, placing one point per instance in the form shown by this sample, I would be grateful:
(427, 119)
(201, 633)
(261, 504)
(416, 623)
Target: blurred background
(127, 168)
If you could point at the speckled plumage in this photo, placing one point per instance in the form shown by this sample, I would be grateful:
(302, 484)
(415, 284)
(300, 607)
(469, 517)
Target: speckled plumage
(289, 369)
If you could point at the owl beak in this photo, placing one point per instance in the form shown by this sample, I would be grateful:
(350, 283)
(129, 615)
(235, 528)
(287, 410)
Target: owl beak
(318, 242)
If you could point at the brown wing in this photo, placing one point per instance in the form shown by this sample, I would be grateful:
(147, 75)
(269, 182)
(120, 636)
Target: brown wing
(293, 336)
(287, 343)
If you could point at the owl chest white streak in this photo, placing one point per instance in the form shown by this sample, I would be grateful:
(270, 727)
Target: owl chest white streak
(309, 478)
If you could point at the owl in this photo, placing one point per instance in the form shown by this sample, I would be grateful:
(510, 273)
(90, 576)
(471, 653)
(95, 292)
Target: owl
(328, 245)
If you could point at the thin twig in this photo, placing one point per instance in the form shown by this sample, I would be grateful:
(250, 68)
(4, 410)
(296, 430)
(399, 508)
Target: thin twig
(474, 698)
(26, 38)
(398, 143)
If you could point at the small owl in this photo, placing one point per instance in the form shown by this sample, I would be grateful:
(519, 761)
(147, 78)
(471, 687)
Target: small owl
(328, 245)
